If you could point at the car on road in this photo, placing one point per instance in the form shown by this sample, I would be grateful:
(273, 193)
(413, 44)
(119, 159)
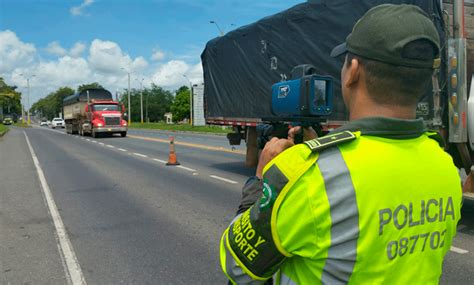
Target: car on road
(57, 123)
(7, 121)
(45, 122)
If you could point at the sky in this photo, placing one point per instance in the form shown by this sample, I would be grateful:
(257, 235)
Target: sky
(59, 43)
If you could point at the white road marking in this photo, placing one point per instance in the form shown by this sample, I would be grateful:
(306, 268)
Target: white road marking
(121, 149)
(159, 160)
(111, 146)
(186, 168)
(94, 141)
(102, 143)
(139, 154)
(458, 250)
(88, 140)
(223, 179)
(71, 265)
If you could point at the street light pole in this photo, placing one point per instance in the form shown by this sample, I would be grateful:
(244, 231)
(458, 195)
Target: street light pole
(190, 100)
(220, 31)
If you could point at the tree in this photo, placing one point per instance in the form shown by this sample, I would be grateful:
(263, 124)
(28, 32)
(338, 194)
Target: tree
(180, 107)
(51, 105)
(87, 86)
(159, 102)
(10, 99)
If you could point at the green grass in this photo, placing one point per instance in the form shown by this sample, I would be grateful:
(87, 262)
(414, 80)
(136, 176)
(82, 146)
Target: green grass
(21, 125)
(3, 129)
(181, 128)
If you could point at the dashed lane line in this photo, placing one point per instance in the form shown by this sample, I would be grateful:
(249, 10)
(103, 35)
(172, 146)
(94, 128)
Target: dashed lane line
(458, 250)
(121, 149)
(71, 265)
(186, 168)
(223, 179)
(111, 146)
(159, 160)
(139, 154)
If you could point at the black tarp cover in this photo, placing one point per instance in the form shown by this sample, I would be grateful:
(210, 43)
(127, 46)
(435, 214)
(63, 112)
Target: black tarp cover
(94, 94)
(240, 67)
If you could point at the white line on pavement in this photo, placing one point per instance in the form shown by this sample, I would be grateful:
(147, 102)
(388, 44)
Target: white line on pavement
(223, 179)
(102, 143)
(458, 250)
(159, 160)
(139, 154)
(88, 140)
(70, 262)
(94, 141)
(121, 149)
(111, 146)
(186, 168)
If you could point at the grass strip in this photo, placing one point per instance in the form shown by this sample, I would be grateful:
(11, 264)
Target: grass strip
(3, 130)
(21, 125)
(181, 128)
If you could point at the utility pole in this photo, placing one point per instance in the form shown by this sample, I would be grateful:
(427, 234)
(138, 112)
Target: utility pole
(141, 100)
(129, 107)
(190, 100)
(28, 94)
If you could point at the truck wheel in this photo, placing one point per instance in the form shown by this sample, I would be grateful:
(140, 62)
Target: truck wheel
(123, 134)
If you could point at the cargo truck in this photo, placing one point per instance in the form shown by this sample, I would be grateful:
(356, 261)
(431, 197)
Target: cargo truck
(94, 112)
(241, 67)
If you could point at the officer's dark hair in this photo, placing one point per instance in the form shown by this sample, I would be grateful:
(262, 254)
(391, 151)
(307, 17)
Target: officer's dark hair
(389, 84)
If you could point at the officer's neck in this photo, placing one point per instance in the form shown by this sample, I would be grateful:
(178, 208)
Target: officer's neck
(363, 107)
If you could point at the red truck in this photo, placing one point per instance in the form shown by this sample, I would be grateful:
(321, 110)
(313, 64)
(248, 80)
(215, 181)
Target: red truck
(93, 111)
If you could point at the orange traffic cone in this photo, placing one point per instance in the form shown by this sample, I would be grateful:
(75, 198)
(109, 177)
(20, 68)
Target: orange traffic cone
(172, 160)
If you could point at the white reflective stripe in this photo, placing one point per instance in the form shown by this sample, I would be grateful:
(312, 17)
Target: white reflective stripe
(285, 280)
(342, 252)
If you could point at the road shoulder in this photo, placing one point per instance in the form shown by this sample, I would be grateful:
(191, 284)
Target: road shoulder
(28, 246)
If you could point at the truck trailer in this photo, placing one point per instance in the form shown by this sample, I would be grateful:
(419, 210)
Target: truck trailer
(94, 112)
(241, 67)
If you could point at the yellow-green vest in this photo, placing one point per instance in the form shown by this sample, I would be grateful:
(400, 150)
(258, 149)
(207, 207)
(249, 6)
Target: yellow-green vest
(370, 210)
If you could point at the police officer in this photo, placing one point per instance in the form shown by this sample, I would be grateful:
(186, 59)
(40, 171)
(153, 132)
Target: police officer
(377, 200)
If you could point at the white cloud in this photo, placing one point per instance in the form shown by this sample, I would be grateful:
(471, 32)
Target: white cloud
(157, 55)
(77, 10)
(77, 49)
(55, 48)
(13, 52)
(107, 57)
(171, 74)
(101, 63)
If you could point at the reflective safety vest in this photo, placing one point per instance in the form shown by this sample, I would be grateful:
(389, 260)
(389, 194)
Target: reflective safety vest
(348, 208)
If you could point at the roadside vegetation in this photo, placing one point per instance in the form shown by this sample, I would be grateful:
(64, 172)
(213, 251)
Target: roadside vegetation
(21, 125)
(3, 130)
(180, 128)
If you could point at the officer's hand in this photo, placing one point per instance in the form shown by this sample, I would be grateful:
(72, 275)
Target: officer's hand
(272, 148)
(308, 134)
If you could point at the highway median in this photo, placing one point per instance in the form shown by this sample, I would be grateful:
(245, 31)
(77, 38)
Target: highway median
(181, 128)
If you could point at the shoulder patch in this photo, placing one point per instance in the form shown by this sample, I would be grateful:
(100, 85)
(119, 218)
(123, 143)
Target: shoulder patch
(330, 140)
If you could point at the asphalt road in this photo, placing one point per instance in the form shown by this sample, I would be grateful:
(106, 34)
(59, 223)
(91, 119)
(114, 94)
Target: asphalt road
(128, 216)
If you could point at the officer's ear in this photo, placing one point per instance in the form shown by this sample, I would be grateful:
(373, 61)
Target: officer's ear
(351, 72)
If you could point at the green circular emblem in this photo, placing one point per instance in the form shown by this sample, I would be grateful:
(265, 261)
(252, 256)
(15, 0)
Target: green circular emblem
(268, 197)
